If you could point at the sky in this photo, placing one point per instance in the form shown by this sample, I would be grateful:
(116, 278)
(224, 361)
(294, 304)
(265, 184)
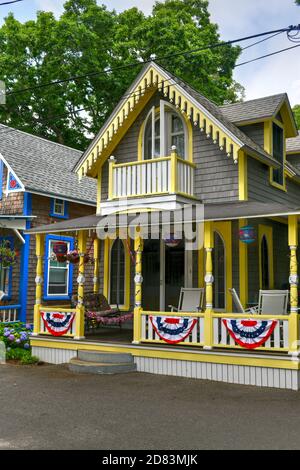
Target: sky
(236, 18)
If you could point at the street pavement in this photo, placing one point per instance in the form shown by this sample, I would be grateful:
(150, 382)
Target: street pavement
(48, 407)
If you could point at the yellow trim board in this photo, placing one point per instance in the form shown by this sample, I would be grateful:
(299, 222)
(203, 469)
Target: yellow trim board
(217, 357)
(108, 243)
(267, 232)
(243, 176)
(224, 230)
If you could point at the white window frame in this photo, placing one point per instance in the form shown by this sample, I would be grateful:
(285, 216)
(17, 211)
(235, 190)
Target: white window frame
(63, 206)
(165, 129)
(49, 267)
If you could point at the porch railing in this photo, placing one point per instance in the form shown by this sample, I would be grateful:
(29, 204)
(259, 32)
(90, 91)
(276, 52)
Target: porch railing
(71, 331)
(278, 340)
(210, 332)
(148, 334)
(166, 175)
(9, 313)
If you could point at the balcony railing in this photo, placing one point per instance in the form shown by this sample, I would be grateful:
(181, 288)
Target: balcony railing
(9, 313)
(159, 176)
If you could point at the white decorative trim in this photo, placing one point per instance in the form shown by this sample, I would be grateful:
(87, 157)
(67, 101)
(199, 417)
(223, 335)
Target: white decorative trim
(138, 279)
(293, 279)
(80, 279)
(38, 280)
(209, 278)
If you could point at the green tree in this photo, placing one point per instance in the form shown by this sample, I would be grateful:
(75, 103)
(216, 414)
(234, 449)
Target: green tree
(296, 110)
(90, 38)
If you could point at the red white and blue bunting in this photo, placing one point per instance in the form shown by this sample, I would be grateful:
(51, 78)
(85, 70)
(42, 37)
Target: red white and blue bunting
(173, 330)
(250, 334)
(57, 323)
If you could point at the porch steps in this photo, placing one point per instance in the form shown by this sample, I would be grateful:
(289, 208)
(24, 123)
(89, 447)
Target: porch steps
(95, 362)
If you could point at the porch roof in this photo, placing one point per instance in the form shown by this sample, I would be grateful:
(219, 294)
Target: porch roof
(212, 212)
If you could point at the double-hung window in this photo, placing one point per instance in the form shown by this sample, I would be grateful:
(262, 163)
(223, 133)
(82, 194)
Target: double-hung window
(58, 275)
(59, 208)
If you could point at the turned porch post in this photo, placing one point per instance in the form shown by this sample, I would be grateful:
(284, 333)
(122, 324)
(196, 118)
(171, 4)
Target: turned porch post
(138, 280)
(293, 280)
(209, 279)
(39, 249)
(96, 264)
(79, 325)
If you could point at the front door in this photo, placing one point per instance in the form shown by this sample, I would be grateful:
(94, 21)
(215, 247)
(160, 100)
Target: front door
(151, 275)
(163, 270)
(174, 273)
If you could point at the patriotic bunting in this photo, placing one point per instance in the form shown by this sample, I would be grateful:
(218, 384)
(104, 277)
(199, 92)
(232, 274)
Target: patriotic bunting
(250, 334)
(173, 330)
(57, 323)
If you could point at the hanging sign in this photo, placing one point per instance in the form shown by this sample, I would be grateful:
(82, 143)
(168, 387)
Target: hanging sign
(57, 323)
(250, 334)
(247, 234)
(173, 330)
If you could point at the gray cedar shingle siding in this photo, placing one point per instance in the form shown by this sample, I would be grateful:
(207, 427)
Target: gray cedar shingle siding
(295, 161)
(259, 188)
(255, 132)
(216, 176)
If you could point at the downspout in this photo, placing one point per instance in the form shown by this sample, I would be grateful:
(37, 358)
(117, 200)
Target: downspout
(24, 270)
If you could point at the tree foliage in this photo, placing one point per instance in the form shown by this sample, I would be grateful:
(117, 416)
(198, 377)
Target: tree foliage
(90, 38)
(296, 110)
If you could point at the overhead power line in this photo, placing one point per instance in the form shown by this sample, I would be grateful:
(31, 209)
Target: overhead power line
(139, 63)
(172, 80)
(9, 2)
(267, 55)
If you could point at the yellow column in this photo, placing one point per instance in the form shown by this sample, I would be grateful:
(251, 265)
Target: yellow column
(243, 267)
(39, 248)
(293, 318)
(96, 264)
(79, 328)
(111, 163)
(173, 188)
(138, 280)
(209, 279)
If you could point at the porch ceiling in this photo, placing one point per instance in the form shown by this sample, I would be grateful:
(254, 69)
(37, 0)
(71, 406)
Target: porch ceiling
(212, 212)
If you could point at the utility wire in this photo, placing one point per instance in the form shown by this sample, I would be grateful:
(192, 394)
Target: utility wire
(267, 55)
(139, 63)
(10, 2)
(172, 80)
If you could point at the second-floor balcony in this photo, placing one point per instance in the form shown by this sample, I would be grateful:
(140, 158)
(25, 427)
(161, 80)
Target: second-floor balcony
(156, 177)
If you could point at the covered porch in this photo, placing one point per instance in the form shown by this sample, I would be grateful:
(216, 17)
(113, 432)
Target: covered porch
(153, 278)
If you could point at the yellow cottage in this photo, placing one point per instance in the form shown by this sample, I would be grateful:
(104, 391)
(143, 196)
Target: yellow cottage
(194, 240)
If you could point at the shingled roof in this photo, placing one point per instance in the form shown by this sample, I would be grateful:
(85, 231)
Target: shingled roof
(293, 144)
(217, 112)
(214, 110)
(45, 167)
(260, 108)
